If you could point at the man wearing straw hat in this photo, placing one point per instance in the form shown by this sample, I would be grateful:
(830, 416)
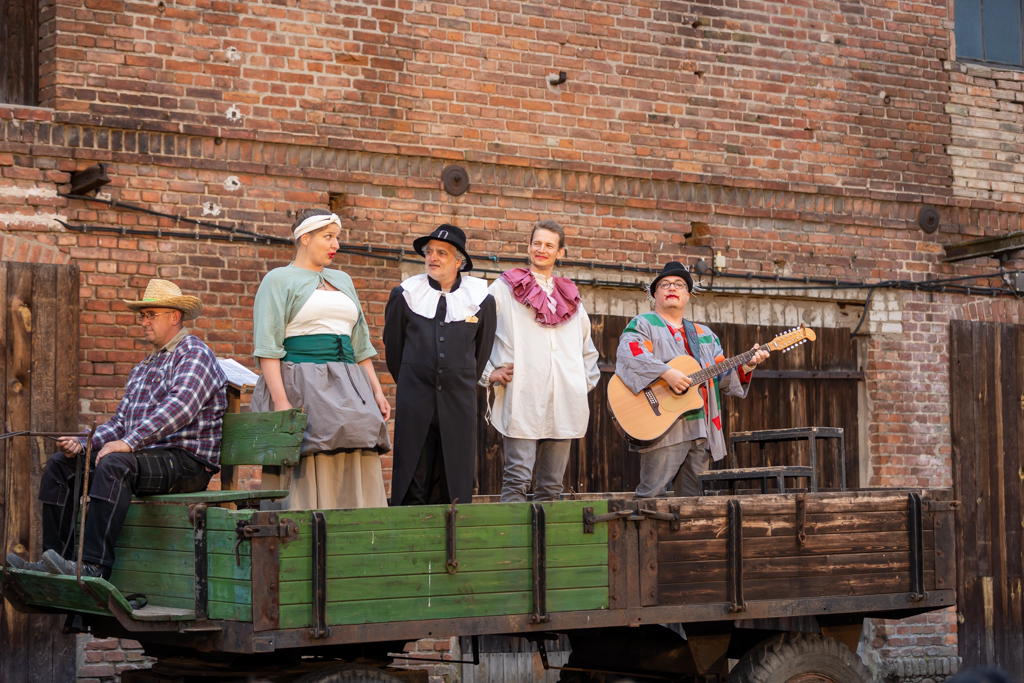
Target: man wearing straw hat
(164, 438)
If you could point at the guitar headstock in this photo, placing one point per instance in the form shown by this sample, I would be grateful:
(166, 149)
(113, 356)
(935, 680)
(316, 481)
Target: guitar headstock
(791, 339)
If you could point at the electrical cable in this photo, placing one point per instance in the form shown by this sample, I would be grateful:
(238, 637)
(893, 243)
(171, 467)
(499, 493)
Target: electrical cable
(398, 254)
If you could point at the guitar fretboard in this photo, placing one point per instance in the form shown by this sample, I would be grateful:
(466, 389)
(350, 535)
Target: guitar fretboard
(721, 368)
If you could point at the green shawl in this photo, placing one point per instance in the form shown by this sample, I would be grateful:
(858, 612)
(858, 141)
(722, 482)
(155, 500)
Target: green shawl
(282, 295)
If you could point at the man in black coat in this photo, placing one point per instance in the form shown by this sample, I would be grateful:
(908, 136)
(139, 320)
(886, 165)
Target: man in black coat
(438, 331)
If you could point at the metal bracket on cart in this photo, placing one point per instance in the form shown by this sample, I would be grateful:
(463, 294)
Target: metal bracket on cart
(286, 530)
(672, 517)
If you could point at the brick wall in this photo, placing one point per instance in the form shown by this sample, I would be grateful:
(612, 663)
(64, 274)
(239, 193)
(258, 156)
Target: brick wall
(796, 139)
(839, 94)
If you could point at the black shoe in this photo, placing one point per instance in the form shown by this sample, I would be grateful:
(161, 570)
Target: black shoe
(55, 564)
(17, 562)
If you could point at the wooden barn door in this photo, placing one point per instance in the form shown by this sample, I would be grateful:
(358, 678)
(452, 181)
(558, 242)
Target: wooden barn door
(38, 391)
(813, 385)
(987, 423)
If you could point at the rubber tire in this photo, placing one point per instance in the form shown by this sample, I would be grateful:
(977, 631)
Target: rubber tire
(347, 673)
(785, 656)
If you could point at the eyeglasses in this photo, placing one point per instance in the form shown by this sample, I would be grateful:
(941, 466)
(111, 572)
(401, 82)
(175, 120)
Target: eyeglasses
(148, 317)
(673, 285)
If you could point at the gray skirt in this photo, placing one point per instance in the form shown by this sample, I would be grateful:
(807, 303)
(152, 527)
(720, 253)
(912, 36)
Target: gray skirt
(339, 402)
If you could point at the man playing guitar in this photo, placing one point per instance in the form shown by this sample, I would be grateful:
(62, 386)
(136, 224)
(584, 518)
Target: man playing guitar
(645, 347)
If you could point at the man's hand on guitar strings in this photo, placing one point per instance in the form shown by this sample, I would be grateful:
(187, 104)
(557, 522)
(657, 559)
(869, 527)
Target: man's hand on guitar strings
(676, 380)
(760, 356)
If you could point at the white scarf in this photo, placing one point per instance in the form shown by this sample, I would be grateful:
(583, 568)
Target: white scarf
(461, 304)
(314, 223)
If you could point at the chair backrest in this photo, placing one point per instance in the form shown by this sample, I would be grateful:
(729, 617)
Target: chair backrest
(263, 438)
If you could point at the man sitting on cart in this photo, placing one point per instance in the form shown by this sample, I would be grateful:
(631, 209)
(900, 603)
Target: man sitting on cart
(164, 438)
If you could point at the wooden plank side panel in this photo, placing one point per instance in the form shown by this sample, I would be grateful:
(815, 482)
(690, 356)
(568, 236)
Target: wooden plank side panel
(777, 589)
(1010, 621)
(32, 647)
(963, 420)
(691, 551)
(42, 418)
(17, 640)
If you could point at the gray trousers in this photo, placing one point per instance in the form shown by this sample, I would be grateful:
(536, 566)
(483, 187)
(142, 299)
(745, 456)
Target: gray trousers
(680, 463)
(550, 455)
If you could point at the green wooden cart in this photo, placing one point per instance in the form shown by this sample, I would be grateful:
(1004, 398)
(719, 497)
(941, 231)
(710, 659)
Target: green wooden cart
(324, 596)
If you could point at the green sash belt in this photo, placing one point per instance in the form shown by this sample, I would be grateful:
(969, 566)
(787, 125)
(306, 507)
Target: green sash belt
(319, 348)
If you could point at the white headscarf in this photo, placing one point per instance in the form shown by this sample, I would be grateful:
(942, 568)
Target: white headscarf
(314, 223)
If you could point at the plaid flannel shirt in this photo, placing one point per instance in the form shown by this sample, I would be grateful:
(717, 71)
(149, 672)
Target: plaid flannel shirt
(174, 398)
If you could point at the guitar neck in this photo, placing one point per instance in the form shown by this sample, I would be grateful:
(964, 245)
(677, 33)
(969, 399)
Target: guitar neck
(721, 368)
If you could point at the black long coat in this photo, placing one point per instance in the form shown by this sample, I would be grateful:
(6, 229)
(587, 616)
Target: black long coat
(436, 366)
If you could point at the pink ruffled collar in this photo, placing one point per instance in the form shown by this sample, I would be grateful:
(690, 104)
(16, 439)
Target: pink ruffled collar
(549, 310)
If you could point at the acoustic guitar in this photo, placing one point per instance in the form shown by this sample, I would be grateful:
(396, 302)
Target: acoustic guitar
(645, 417)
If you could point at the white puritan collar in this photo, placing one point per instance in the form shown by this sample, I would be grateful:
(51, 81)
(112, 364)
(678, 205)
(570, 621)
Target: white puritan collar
(461, 304)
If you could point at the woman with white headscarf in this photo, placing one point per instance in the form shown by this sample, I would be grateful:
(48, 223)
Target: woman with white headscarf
(313, 346)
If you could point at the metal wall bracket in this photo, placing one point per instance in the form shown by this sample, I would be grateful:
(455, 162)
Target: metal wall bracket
(915, 527)
(319, 576)
(198, 517)
(452, 561)
(801, 519)
(734, 558)
(540, 566)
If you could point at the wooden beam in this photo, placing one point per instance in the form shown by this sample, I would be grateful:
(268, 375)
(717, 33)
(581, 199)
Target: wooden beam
(984, 247)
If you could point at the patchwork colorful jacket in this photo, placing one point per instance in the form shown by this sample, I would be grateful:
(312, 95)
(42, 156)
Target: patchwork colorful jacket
(646, 346)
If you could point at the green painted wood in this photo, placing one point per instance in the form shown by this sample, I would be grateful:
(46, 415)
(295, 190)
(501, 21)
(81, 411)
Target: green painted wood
(155, 583)
(64, 593)
(228, 590)
(445, 607)
(178, 602)
(224, 567)
(396, 564)
(172, 516)
(262, 438)
(423, 516)
(214, 496)
(223, 543)
(230, 611)
(148, 560)
(144, 538)
(436, 585)
(419, 540)
(578, 599)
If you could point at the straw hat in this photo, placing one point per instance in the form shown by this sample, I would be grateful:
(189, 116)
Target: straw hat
(165, 294)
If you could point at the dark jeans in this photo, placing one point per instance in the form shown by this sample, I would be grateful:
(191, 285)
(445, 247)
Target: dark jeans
(111, 485)
(429, 485)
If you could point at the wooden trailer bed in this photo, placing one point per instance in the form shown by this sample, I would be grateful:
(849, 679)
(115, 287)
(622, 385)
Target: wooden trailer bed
(245, 581)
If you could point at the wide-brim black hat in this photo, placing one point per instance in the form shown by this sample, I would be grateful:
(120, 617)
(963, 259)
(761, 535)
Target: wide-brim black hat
(450, 234)
(673, 268)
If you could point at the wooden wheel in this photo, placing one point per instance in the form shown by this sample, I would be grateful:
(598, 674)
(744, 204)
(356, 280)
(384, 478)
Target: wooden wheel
(800, 658)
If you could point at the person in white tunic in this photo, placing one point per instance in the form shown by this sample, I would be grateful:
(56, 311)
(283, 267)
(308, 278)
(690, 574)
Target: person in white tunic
(313, 345)
(542, 365)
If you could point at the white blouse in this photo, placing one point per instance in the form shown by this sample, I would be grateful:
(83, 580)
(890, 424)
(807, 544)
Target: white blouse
(325, 312)
(555, 368)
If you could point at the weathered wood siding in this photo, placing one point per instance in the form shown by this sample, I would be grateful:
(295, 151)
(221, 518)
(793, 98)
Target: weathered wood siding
(987, 422)
(19, 52)
(38, 391)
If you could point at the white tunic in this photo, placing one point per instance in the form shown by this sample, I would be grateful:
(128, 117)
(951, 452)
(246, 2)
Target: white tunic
(325, 312)
(555, 368)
